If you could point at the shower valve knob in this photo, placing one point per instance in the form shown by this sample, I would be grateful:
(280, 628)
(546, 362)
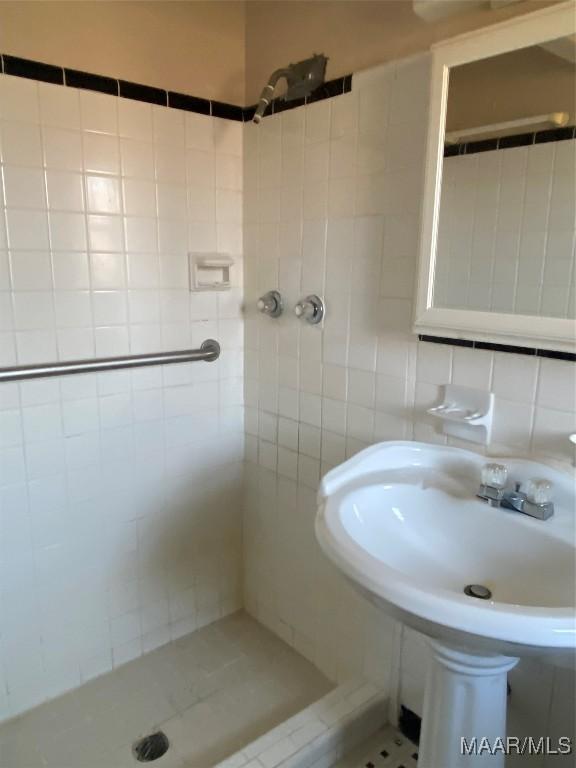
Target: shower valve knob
(310, 309)
(270, 304)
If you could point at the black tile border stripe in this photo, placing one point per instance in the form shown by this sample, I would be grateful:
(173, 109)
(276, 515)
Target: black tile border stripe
(74, 78)
(569, 356)
(508, 348)
(33, 70)
(508, 142)
(227, 111)
(189, 103)
(142, 93)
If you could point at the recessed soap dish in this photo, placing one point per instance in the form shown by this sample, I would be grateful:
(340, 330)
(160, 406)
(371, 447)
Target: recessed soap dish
(210, 271)
(465, 412)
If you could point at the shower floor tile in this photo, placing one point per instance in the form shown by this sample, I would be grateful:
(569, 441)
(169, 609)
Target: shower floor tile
(210, 692)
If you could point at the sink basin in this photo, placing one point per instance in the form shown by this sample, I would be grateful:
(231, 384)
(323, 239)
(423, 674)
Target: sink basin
(402, 521)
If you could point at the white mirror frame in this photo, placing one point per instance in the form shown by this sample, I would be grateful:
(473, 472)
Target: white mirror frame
(518, 330)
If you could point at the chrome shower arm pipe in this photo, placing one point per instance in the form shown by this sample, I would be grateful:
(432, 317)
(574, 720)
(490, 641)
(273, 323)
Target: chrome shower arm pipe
(302, 79)
(268, 92)
(208, 352)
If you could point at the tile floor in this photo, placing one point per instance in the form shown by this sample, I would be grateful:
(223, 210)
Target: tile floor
(388, 748)
(211, 692)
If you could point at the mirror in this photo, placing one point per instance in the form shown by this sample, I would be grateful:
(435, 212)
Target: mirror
(506, 228)
(498, 257)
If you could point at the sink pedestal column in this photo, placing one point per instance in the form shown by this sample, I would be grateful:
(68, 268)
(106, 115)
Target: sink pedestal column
(465, 698)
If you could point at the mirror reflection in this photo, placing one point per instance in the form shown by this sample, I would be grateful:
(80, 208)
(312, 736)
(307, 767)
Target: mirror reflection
(506, 234)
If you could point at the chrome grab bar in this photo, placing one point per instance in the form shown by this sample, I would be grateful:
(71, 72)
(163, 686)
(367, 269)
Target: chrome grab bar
(209, 351)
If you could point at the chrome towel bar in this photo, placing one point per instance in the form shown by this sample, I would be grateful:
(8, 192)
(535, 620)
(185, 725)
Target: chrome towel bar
(209, 351)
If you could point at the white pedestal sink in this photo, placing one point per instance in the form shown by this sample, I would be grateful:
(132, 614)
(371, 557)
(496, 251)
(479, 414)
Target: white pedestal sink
(403, 522)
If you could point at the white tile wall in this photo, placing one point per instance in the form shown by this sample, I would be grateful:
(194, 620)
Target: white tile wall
(119, 522)
(507, 231)
(345, 224)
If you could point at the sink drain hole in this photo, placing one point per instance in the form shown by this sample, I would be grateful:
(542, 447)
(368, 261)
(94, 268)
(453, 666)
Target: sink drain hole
(151, 747)
(478, 590)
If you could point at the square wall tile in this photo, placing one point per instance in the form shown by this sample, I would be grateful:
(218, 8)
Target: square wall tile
(62, 149)
(27, 230)
(21, 144)
(31, 270)
(99, 112)
(19, 98)
(59, 106)
(103, 194)
(24, 187)
(137, 158)
(135, 119)
(65, 191)
(107, 271)
(67, 231)
(70, 271)
(105, 233)
(101, 153)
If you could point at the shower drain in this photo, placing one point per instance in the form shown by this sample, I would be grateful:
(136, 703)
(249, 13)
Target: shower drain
(151, 747)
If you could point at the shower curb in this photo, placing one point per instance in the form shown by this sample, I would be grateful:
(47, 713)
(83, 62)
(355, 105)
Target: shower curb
(319, 735)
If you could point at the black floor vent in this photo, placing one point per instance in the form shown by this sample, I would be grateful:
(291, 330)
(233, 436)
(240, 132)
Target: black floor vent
(409, 723)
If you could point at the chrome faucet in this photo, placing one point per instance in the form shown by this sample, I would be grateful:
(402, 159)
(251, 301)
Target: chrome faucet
(533, 498)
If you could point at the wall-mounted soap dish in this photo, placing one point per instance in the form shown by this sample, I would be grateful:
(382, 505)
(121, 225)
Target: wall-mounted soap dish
(465, 413)
(210, 271)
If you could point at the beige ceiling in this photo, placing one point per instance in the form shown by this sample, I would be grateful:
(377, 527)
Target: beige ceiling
(225, 49)
(354, 34)
(192, 47)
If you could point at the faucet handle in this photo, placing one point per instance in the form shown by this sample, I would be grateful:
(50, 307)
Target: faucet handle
(492, 483)
(270, 304)
(310, 309)
(494, 475)
(538, 491)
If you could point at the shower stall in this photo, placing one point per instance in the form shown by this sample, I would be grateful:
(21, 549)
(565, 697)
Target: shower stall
(124, 529)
